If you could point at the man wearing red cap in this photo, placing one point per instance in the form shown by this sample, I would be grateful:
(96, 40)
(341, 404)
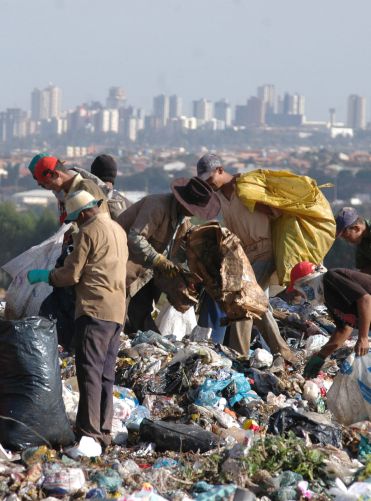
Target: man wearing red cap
(51, 174)
(347, 296)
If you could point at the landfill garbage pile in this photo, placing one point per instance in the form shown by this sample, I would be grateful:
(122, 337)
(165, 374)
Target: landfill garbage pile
(194, 420)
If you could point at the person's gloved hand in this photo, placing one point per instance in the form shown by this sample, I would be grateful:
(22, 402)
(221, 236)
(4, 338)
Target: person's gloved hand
(164, 266)
(36, 276)
(313, 366)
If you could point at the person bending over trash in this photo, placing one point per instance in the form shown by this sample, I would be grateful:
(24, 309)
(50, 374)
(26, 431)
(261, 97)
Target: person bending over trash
(254, 231)
(347, 296)
(97, 268)
(356, 230)
(156, 227)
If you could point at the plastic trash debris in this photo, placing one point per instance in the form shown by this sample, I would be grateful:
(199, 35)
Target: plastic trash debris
(31, 405)
(311, 392)
(177, 437)
(63, 481)
(200, 333)
(96, 493)
(287, 419)
(210, 392)
(171, 322)
(108, 479)
(314, 343)
(136, 417)
(264, 382)
(358, 491)
(349, 397)
(87, 447)
(288, 486)
(261, 358)
(154, 338)
(202, 491)
(119, 432)
(165, 463)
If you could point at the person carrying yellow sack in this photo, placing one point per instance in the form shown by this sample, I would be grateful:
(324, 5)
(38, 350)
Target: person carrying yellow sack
(305, 230)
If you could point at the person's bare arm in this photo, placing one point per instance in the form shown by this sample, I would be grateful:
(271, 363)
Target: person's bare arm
(364, 320)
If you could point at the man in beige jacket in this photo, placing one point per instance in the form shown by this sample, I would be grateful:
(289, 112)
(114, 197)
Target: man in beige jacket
(97, 268)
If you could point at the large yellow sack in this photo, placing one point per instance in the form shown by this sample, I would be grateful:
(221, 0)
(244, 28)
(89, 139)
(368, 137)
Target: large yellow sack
(306, 229)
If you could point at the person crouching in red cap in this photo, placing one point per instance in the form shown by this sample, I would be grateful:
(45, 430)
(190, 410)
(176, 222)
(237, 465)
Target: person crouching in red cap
(347, 296)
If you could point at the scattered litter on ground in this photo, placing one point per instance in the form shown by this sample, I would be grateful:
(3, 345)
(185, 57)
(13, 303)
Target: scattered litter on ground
(195, 420)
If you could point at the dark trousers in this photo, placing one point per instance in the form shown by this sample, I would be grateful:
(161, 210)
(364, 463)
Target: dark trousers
(97, 345)
(140, 308)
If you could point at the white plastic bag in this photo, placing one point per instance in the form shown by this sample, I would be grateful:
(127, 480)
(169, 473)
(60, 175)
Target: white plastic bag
(314, 344)
(172, 322)
(261, 358)
(349, 398)
(356, 492)
(22, 298)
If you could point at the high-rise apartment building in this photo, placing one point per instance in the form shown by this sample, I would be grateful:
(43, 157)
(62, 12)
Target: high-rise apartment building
(223, 111)
(107, 121)
(175, 106)
(161, 108)
(356, 117)
(203, 110)
(116, 98)
(293, 104)
(46, 103)
(267, 94)
(13, 124)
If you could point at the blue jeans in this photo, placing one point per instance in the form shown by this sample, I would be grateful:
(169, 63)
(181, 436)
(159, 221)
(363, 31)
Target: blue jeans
(210, 316)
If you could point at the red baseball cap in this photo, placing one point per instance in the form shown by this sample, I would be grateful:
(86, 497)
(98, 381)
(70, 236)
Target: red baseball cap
(44, 166)
(300, 270)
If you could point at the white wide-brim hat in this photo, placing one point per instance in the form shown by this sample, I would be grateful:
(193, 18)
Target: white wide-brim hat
(77, 202)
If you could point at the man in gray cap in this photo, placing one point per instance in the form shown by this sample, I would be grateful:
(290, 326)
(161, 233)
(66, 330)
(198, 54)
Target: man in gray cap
(357, 231)
(254, 231)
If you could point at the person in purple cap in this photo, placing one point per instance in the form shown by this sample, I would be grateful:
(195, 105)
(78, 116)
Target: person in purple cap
(357, 231)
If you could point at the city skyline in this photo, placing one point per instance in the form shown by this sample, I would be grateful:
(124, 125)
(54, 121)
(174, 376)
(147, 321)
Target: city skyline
(47, 103)
(210, 49)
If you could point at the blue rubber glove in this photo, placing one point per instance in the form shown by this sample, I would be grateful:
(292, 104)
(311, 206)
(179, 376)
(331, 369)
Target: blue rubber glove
(36, 276)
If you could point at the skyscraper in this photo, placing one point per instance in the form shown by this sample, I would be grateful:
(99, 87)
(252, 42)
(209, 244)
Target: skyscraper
(55, 101)
(293, 104)
(46, 103)
(356, 118)
(254, 111)
(175, 109)
(203, 110)
(116, 98)
(223, 111)
(267, 94)
(161, 108)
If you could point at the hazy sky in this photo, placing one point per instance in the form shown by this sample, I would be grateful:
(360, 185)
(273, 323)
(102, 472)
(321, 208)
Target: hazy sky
(194, 48)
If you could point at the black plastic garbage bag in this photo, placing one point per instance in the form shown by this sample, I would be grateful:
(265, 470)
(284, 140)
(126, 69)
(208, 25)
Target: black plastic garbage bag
(177, 437)
(264, 382)
(30, 386)
(287, 419)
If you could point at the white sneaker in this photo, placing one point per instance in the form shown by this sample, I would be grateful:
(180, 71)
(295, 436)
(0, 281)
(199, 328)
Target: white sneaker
(87, 447)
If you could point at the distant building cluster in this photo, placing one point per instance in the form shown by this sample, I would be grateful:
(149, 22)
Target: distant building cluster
(47, 120)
